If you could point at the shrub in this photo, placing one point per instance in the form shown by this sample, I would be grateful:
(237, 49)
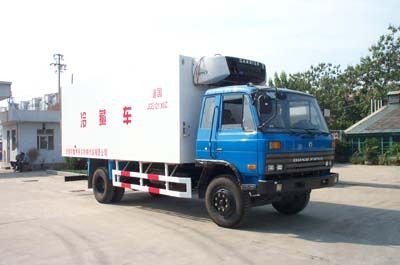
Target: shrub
(370, 151)
(342, 151)
(33, 154)
(392, 156)
(394, 150)
(357, 158)
(75, 163)
(384, 159)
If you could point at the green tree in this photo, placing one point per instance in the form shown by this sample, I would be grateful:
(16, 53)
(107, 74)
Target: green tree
(377, 73)
(348, 93)
(380, 70)
(280, 80)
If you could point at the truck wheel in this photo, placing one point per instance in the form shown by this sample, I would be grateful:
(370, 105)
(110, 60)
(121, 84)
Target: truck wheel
(226, 204)
(292, 203)
(118, 194)
(102, 186)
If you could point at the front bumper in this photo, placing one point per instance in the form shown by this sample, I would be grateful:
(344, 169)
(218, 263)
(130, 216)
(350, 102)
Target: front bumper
(296, 184)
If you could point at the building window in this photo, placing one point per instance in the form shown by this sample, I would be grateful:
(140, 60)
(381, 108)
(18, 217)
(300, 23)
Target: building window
(45, 139)
(13, 139)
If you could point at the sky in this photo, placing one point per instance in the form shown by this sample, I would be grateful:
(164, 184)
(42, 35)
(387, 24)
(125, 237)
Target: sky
(94, 36)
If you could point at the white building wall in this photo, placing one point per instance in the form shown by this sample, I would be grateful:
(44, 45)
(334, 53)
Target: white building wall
(27, 139)
(33, 116)
(5, 90)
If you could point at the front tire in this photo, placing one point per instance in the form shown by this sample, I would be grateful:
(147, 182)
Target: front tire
(226, 204)
(103, 189)
(292, 203)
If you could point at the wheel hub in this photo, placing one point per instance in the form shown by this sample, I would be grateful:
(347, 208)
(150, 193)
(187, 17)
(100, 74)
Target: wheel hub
(100, 185)
(223, 201)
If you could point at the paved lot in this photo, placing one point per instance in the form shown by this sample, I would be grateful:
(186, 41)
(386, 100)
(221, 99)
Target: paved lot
(44, 220)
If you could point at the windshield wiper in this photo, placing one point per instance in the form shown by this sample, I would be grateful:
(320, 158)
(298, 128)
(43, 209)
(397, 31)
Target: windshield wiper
(300, 131)
(311, 131)
(318, 131)
(262, 126)
(284, 129)
(296, 130)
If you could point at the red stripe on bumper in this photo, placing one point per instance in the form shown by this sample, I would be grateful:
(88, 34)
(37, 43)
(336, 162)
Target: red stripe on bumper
(152, 177)
(154, 190)
(126, 185)
(125, 173)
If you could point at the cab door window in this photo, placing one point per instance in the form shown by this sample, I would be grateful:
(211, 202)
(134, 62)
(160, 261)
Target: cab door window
(208, 113)
(236, 113)
(248, 122)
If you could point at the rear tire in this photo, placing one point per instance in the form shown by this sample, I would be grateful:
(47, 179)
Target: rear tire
(118, 194)
(103, 189)
(226, 204)
(292, 203)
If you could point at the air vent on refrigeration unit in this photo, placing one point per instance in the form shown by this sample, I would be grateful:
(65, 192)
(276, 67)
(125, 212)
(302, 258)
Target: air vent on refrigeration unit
(226, 71)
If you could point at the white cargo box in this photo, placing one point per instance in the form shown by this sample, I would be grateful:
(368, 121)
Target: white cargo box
(147, 110)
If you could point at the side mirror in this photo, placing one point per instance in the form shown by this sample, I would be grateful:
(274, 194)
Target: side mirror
(264, 104)
(281, 95)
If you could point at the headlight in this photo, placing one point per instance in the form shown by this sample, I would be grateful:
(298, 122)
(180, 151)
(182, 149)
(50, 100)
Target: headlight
(279, 167)
(271, 167)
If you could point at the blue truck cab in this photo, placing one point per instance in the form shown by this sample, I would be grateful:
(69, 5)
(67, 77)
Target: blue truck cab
(275, 141)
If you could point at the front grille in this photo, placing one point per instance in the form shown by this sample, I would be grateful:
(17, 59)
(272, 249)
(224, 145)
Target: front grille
(305, 165)
(299, 162)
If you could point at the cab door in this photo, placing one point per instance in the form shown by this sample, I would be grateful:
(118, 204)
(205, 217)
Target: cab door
(236, 135)
(205, 143)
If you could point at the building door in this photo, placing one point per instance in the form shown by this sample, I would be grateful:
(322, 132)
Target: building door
(8, 147)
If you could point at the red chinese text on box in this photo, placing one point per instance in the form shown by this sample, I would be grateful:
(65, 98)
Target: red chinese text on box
(83, 119)
(127, 115)
(157, 93)
(99, 152)
(157, 105)
(102, 117)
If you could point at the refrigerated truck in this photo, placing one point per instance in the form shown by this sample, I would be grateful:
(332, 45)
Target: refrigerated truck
(206, 128)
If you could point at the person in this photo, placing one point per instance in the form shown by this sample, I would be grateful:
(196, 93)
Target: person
(227, 117)
(21, 160)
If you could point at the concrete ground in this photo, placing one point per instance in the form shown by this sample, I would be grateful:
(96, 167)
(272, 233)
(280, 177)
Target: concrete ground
(44, 220)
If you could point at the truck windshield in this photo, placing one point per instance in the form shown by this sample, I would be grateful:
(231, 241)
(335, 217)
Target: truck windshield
(293, 113)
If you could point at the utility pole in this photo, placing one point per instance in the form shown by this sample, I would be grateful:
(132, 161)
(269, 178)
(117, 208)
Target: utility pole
(60, 67)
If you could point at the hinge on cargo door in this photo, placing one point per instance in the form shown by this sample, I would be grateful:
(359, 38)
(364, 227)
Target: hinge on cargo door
(185, 129)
